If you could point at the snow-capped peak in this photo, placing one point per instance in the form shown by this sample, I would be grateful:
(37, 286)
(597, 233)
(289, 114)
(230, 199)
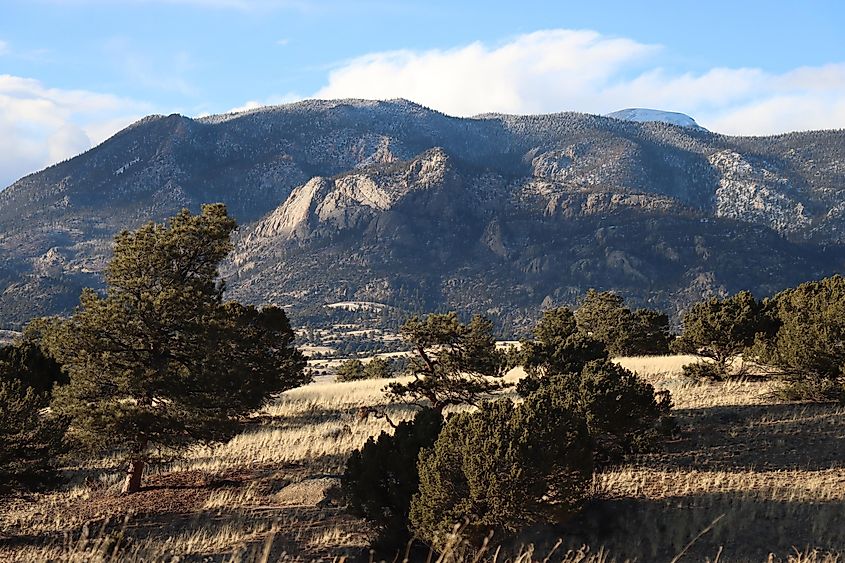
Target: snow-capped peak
(643, 114)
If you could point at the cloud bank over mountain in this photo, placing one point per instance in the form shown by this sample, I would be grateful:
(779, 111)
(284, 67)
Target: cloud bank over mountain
(541, 72)
(40, 125)
(560, 70)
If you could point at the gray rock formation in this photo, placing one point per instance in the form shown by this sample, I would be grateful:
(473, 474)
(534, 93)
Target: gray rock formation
(390, 202)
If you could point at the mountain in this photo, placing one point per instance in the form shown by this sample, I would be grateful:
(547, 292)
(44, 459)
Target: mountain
(392, 203)
(644, 115)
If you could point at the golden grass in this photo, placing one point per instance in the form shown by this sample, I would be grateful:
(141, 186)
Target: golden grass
(656, 366)
(822, 486)
(775, 471)
(317, 423)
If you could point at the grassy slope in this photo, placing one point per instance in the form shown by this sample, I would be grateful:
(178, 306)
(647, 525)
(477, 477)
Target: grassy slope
(776, 472)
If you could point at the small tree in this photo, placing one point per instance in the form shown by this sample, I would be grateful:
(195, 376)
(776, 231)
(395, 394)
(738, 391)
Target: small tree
(721, 329)
(808, 348)
(504, 468)
(355, 370)
(160, 362)
(559, 347)
(604, 316)
(452, 361)
(30, 437)
(702, 371)
(649, 333)
(350, 370)
(26, 361)
(379, 368)
(381, 477)
(624, 414)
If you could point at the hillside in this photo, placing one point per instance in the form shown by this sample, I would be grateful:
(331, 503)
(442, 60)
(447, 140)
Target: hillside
(394, 203)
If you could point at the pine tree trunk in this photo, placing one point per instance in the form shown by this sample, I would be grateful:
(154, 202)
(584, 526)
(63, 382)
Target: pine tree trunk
(132, 484)
(722, 366)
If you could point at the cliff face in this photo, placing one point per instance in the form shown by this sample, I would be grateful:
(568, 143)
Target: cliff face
(393, 203)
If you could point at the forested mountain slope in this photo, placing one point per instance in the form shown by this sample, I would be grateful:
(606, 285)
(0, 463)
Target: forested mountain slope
(394, 203)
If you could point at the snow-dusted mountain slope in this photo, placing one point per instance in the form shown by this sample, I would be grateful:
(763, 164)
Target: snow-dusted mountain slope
(643, 115)
(390, 202)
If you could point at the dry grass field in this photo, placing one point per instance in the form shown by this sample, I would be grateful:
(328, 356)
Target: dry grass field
(770, 475)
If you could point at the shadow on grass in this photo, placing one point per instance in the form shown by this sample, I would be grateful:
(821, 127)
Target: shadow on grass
(759, 437)
(748, 529)
(208, 535)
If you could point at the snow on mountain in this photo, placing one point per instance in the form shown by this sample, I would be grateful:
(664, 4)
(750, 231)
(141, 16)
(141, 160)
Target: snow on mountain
(643, 115)
(352, 201)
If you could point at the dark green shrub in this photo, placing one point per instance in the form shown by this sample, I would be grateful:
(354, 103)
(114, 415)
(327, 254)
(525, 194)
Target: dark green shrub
(808, 348)
(649, 333)
(30, 438)
(558, 347)
(350, 370)
(26, 362)
(379, 368)
(624, 415)
(527, 385)
(702, 371)
(503, 468)
(604, 316)
(381, 477)
(720, 329)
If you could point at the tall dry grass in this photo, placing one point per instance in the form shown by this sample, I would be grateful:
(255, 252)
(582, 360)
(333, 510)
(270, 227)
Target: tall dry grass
(741, 457)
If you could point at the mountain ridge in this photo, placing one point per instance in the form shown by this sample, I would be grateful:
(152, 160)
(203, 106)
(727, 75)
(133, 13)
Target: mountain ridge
(529, 199)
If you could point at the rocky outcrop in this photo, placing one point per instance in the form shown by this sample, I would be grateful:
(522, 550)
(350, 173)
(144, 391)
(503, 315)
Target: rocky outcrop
(756, 194)
(390, 202)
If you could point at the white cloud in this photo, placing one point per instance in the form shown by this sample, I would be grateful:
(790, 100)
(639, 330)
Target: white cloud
(4, 47)
(531, 73)
(778, 114)
(561, 70)
(40, 126)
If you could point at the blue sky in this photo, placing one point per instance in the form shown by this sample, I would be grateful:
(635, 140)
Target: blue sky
(72, 72)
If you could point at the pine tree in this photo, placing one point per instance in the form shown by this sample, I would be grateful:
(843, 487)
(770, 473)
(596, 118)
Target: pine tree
(160, 361)
(30, 437)
(453, 362)
(604, 316)
(350, 370)
(807, 346)
(721, 329)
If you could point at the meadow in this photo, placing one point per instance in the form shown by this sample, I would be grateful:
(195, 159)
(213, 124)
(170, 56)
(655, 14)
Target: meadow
(749, 478)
